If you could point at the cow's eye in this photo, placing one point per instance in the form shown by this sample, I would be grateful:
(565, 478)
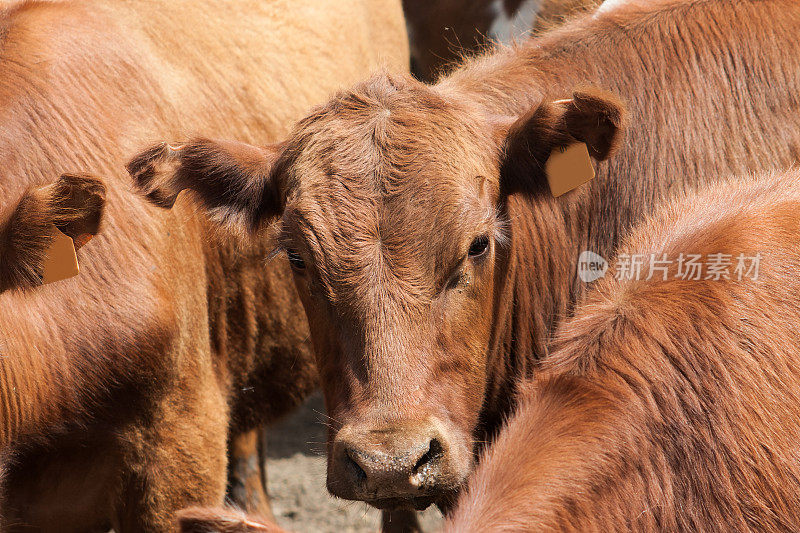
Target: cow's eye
(479, 246)
(295, 260)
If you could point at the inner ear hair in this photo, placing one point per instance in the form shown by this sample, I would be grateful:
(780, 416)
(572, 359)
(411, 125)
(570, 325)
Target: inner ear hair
(77, 203)
(73, 204)
(597, 118)
(592, 116)
(528, 144)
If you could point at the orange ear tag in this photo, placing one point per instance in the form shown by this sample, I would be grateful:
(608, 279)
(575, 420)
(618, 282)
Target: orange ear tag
(568, 168)
(61, 261)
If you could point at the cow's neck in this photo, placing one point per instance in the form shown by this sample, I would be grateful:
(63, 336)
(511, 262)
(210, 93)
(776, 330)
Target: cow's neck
(536, 287)
(241, 283)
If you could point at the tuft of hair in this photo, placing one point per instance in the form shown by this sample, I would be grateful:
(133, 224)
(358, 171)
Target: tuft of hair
(222, 520)
(601, 117)
(611, 5)
(152, 171)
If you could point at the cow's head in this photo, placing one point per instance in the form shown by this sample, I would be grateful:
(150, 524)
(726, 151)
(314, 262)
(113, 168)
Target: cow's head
(72, 205)
(390, 206)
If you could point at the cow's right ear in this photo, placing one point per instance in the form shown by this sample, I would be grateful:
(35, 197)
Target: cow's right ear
(234, 182)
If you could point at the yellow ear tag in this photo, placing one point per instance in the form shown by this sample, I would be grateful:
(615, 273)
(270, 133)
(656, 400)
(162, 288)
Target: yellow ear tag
(568, 168)
(61, 262)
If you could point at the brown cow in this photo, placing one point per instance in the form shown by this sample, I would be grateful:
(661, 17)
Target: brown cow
(442, 32)
(670, 403)
(432, 259)
(73, 205)
(118, 387)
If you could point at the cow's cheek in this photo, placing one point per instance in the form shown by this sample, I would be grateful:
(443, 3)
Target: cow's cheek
(460, 377)
(327, 352)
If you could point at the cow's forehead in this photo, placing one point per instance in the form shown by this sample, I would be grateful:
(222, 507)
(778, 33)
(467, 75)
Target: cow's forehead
(386, 251)
(393, 176)
(394, 145)
(353, 223)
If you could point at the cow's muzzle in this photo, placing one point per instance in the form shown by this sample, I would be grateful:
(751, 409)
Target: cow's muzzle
(399, 465)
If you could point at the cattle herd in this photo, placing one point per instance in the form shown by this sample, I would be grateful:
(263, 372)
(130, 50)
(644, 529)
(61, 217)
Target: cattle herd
(548, 282)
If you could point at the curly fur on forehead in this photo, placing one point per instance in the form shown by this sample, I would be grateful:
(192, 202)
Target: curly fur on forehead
(388, 129)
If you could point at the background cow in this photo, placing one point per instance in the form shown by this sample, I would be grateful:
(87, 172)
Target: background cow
(431, 257)
(73, 205)
(118, 387)
(669, 403)
(442, 32)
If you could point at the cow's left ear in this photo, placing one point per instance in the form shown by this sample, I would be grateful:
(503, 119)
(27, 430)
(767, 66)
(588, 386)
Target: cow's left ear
(39, 237)
(234, 182)
(592, 116)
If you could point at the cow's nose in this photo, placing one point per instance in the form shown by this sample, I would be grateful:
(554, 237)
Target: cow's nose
(390, 465)
(399, 470)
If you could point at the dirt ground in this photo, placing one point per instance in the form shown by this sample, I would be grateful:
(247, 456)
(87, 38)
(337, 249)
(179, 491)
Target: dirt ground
(296, 470)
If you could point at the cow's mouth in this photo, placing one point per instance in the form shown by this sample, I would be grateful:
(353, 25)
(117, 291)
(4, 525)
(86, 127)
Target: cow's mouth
(392, 504)
(444, 502)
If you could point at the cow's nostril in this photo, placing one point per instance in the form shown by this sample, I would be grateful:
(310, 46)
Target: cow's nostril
(435, 451)
(353, 465)
(388, 465)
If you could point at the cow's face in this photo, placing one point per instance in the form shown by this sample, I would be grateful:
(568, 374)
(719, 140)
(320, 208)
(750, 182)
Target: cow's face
(392, 228)
(390, 201)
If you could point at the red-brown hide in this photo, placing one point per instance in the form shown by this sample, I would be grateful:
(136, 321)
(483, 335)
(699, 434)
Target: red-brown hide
(432, 260)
